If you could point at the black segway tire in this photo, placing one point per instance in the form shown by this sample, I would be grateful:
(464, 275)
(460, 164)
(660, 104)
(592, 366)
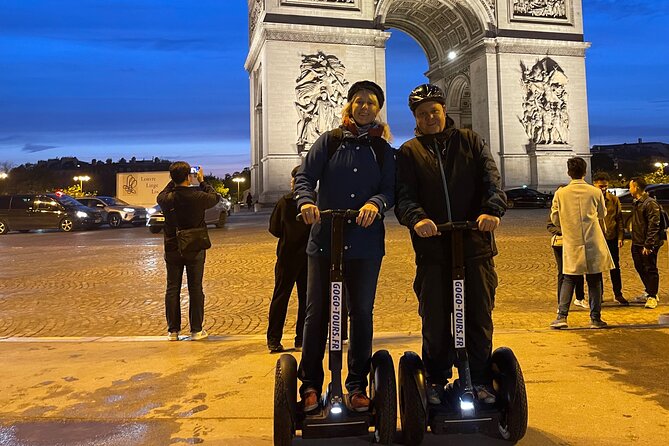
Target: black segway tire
(384, 397)
(285, 400)
(512, 397)
(413, 410)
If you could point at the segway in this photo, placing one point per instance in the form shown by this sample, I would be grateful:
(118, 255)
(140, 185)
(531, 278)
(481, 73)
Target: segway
(460, 411)
(333, 418)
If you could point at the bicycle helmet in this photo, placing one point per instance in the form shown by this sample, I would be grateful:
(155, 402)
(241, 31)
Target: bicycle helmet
(425, 93)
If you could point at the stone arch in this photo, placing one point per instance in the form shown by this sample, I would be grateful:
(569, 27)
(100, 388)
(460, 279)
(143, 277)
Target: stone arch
(458, 100)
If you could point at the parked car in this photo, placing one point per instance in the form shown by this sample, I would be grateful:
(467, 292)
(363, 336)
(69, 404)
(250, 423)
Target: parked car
(658, 191)
(216, 215)
(524, 197)
(115, 211)
(24, 212)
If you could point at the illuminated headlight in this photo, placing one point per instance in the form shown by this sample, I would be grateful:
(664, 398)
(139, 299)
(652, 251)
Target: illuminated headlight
(466, 406)
(81, 214)
(150, 211)
(128, 210)
(336, 409)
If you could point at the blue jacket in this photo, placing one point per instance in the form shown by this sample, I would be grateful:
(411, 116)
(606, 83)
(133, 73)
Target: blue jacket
(348, 180)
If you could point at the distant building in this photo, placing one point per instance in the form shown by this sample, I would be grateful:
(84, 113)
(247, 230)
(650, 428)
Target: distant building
(631, 158)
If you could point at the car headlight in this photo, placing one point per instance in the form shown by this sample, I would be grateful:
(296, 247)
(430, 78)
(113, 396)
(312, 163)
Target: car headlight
(150, 211)
(129, 210)
(82, 214)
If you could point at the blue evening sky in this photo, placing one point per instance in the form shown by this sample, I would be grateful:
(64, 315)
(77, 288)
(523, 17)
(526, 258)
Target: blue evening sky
(145, 78)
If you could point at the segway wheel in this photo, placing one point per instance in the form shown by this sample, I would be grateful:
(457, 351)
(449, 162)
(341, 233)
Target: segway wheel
(413, 408)
(384, 397)
(512, 398)
(285, 400)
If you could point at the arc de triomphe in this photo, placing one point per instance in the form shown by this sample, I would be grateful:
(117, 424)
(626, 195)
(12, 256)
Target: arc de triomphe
(517, 78)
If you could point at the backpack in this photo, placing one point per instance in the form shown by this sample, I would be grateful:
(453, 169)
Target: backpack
(378, 145)
(664, 221)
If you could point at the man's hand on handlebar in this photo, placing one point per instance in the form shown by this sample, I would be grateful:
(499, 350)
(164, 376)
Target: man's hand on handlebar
(426, 228)
(310, 213)
(487, 223)
(367, 215)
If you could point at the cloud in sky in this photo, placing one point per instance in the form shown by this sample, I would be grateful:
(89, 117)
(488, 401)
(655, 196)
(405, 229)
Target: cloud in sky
(32, 148)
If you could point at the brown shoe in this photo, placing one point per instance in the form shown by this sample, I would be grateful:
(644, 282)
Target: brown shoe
(310, 400)
(359, 402)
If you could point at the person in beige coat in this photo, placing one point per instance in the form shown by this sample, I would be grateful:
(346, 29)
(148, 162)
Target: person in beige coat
(577, 210)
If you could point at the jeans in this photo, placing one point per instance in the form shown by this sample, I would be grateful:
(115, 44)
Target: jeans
(646, 266)
(594, 294)
(579, 283)
(286, 276)
(434, 289)
(360, 280)
(194, 264)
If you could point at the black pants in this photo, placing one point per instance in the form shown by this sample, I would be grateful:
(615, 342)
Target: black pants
(616, 281)
(194, 265)
(434, 288)
(579, 287)
(286, 275)
(646, 266)
(360, 278)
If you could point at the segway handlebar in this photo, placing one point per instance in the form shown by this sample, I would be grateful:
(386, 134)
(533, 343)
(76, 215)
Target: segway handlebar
(345, 213)
(458, 226)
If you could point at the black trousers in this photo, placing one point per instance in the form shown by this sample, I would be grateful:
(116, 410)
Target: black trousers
(434, 289)
(616, 281)
(579, 287)
(286, 276)
(194, 265)
(646, 266)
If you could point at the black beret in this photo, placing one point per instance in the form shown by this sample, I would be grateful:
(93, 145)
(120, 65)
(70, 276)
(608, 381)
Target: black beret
(369, 86)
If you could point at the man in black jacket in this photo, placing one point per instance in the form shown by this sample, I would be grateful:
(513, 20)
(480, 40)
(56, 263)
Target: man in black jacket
(646, 241)
(183, 207)
(290, 268)
(458, 161)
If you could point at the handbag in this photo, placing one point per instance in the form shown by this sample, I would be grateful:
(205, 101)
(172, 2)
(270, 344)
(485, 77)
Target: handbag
(556, 241)
(191, 240)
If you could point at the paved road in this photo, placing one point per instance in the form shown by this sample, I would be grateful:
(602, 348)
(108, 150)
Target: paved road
(111, 282)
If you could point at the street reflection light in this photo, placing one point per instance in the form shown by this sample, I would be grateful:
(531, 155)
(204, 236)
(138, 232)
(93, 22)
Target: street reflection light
(81, 180)
(238, 180)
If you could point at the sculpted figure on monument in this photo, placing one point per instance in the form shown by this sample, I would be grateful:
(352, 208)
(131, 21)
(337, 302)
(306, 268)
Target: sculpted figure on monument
(545, 116)
(320, 91)
(540, 8)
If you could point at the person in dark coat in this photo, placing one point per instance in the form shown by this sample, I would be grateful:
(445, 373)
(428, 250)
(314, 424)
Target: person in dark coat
(448, 174)
(249, 201)
(290, 268)
(183, 207)
(358, 174)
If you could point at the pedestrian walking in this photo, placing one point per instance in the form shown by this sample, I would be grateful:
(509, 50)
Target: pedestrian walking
(184, 208)
(355, 168)
(290, 268)
(646, 241)
(614, 234)
(579, 283)
(249, 201)
(446, 174)
(576, 211)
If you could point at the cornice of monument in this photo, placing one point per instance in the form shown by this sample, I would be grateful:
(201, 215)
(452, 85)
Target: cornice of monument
(539, 47)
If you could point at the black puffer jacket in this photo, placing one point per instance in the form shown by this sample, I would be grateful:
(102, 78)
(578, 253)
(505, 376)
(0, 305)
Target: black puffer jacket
(646, 222)
(474, 186)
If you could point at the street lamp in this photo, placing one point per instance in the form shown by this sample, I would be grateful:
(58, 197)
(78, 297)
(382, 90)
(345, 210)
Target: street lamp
(81, 180)
(238, 180)
(3, 175)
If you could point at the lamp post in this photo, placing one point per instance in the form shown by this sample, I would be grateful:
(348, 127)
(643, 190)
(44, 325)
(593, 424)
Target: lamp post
(81, 180)
(238, 180)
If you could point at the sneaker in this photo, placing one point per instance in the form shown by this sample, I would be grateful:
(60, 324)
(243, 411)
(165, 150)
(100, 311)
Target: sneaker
(173, 336)
(434, 392)
(651, 303)
(485, 394)
(310, 400)
(275, 348)
(598, 323)
(621, 300)
(198, 335)
(359, 402)
(641, 299)
(581, 303)
(560, 322)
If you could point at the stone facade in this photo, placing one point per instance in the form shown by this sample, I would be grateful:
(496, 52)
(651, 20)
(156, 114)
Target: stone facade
(518, 78)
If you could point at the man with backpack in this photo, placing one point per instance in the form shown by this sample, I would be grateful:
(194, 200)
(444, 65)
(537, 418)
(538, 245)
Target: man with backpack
(647, 238)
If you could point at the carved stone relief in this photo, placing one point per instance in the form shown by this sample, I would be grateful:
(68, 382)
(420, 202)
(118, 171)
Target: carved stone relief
(321, 93)
(254, 13)
(545, 115)
(552, 9)
(347, 4)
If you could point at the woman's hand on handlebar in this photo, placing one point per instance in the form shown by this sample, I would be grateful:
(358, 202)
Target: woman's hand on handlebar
(367, 214)
(426, 228)
(310, 213)
(488, 223)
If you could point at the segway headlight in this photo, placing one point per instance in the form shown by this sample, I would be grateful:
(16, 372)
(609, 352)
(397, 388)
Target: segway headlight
(336, 409)
(467, 405)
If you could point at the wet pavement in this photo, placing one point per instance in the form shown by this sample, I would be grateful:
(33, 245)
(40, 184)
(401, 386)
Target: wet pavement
(85, 361)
